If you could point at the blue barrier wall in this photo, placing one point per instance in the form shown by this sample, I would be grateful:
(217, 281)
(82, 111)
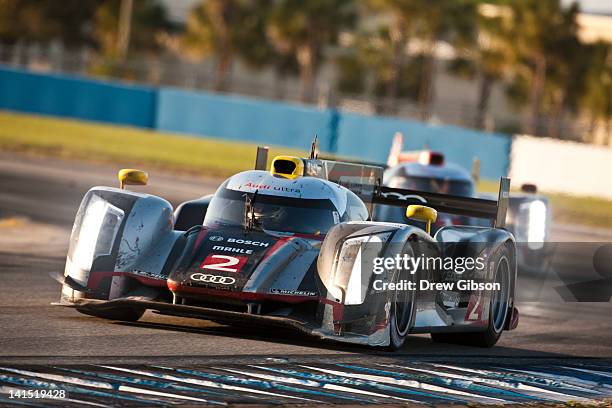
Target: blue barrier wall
(74, 97)
(369, 137)
(239, 118)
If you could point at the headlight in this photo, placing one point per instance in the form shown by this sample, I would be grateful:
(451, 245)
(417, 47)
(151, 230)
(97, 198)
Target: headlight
(348, 272)
(536, 223)
(96, 233)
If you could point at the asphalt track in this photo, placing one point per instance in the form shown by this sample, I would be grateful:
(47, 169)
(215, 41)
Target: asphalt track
(562, 347)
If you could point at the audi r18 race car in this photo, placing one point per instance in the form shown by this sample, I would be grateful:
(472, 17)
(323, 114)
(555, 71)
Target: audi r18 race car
(293, 246)
(528, 215)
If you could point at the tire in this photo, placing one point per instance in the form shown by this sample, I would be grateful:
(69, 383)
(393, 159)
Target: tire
(498, 308)
(120, 314)
(401, 316)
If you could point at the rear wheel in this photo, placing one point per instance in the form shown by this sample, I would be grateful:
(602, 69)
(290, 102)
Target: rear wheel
(498, 308)
(402, 312)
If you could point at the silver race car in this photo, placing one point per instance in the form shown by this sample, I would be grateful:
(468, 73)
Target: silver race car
(293, 245)
(528, 216)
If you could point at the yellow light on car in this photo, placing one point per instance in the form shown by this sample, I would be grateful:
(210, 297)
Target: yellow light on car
(287, 166)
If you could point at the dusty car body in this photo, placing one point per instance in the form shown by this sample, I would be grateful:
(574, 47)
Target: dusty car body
(289, 246)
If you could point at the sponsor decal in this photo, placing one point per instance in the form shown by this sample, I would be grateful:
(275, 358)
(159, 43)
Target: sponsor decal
(223, 263)
(232, 249)
(450, 299)
(271, 188)
(474, 308)
(248, 242)
(292, 292)
(404, 196)
(207, 278)
(216, 238)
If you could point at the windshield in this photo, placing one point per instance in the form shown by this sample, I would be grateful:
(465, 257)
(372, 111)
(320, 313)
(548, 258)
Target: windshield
(435, 185)
(272, 212)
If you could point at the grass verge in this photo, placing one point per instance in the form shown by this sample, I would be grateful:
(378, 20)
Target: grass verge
(132, 147)
(568, 209)
(129, 146)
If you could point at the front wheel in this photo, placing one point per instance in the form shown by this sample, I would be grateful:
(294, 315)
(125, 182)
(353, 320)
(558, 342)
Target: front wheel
(498, 307)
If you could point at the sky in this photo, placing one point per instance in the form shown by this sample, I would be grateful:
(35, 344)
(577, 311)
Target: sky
(179, 8)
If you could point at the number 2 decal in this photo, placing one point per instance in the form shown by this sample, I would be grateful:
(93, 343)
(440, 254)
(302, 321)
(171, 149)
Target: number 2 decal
(224, 263)
(474, 309)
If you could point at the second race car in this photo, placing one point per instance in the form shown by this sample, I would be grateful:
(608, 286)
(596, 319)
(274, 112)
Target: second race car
(528, 216)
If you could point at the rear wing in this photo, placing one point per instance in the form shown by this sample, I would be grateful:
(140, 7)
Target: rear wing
(471, 207)
(361, 179)
(365, 180)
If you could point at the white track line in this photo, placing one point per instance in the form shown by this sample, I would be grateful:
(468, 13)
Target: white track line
(498, 383)
(103, 385)
(204, 383)
(407, 383)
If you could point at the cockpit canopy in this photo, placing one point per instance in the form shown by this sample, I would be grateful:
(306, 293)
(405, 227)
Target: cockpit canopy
(306, 205)
(444, 179)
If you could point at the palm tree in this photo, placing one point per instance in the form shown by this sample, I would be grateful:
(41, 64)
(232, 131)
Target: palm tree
(427, 22)
(42, 21)
(210, 31)
(148, 18)
(119, 26)
(565, 76)
(226, 29)
(377, 54)
(537, 35)
(384, 49)
(492, 58)
(597, 98)
(303, 29)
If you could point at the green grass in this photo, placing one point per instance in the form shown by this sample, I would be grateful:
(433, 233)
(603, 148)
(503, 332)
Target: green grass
(568, 209)
(125, 145)
(130, 147)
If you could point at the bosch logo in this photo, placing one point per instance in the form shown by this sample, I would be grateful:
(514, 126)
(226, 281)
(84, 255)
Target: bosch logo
(207, 278)
(248, 242)
(216, 238)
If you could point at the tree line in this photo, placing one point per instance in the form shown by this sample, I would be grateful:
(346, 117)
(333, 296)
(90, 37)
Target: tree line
(387, 48)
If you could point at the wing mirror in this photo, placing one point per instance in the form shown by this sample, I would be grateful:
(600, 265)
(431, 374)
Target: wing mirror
(422, 213)
(132, 177)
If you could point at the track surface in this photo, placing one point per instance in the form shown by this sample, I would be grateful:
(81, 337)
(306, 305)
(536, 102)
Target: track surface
(551, 335)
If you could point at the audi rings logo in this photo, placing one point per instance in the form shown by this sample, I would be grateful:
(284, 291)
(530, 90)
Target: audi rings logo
(207, 278)
(216, 238)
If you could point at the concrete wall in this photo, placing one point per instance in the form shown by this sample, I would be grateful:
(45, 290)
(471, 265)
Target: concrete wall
(74, 97)
(370, 136)
(239, 118)
(560, 166)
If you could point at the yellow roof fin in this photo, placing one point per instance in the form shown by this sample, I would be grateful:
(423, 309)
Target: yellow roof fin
(287, 166)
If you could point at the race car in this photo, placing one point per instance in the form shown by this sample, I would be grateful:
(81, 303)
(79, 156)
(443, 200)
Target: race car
(528, 216)
(293, 246)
